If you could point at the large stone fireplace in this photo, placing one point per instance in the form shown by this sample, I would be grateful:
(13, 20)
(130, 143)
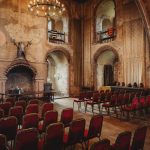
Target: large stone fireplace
(20, 74)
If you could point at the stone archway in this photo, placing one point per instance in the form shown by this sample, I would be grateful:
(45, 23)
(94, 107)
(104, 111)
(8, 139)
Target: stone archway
(20, 74)
(58, 71)
(104, 56)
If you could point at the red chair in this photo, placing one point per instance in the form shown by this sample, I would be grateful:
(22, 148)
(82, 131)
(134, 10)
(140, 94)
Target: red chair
(101, 145)
(1, 113)
(54, 137)
(21, 103)
(17, 111)
(122, 142)
(93, 101)
(32, 108)
(8, 127)
(126, 99)
(3, 142)
(139, 138)
(95, 128)
(33, 101)
(27, 139)
(133, 107)
(79, 99)
(76, 133)
(30, 121)
(11, 101)
(111, 103)
(147, 101)
(66, 116)
(49, 118)
(5, 106)
(47, 107)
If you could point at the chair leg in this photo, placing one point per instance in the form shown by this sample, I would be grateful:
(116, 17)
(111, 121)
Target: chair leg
(85, 107)
(73, 105)
(99, 107)
(92, 109)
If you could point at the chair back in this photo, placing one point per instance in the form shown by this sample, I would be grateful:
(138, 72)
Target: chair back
(33, 101)
(8, 127)
(2, 142)
(96, 97)
(5, 106)
(101, 145)
(47, 107)
(49, 118)
(135, 103)
(139, 138)
(95, 126)
(30, 121)
(16, 111)
(148, 101)
(89, 95)
(66, 116)
(76, 131)
(1, 113)
(120, 99)
(11, 101)
(142, 102)
(123, 141)
(82, 96)
(113, 99)
(126, 98)
(31, 108)
(54, 137)
(27, 139)
(21, 103)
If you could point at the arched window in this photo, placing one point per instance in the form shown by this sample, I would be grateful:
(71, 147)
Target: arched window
(105, 21)
(58, 29)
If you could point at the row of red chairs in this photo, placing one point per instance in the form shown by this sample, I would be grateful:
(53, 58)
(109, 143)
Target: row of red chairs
(55, 136)
(11, 103)
(123, 141)
(20, 109)
(9, 125)
(137, 104)
(108, 98)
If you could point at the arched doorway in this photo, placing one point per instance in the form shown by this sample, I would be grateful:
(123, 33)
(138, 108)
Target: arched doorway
(58, 72)
(106, 71)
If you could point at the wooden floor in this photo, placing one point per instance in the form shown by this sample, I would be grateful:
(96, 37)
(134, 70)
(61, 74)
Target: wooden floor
(111, 125)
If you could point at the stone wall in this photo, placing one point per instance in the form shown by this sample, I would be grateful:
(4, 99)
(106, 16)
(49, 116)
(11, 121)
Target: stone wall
(131, 43)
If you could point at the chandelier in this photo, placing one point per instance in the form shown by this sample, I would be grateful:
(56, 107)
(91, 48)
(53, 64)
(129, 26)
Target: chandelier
(46, 8)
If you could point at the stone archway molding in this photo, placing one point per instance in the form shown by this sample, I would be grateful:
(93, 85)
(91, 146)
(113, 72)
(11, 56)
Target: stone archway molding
(20, 63)
(60, 49)
(103, 49)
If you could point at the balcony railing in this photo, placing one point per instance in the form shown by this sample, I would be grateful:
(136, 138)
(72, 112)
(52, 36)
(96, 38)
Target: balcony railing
(56, 37)
(106, 36)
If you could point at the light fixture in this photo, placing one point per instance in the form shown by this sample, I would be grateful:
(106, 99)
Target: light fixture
(46, 8)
